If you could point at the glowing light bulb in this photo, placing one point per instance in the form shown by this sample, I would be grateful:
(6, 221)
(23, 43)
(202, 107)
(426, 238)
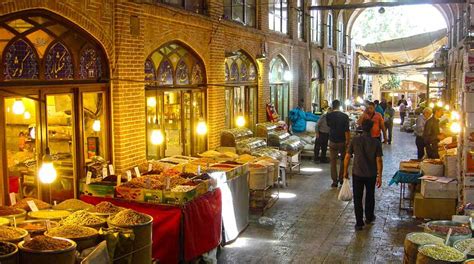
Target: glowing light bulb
(455, 115)
(455, 127)
(347, 102)
(446, 107)
(240, 121)
(360, 100)
(439, 103)
(287, 76)
(151, 101)
(431, 105)
(33, 133)
(18, 107)
(96, 125)
(27, 115)
(201, 128)
(47, 173)
(157, 137)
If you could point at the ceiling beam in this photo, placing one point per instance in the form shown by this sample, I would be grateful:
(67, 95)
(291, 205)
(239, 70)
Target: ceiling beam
(385, 4)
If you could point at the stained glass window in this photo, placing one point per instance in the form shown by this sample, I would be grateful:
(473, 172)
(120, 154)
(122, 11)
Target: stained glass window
(234, 72)
(20, 61)
(239, 68)
(197, 74)
(243, 72)
(58, 63)
(252, 73)
(227, 72)
(165, 73)
(90, 64)
(149, 70)
(277, 69)
(182, 73)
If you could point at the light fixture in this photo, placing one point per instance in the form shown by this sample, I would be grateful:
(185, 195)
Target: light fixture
(395, 94)
(360, 100)
(431, 105)
(47, 173)
(240, 121)
(261, 57)
(439, 103)
(287, 76)
(446, 107)
(18, 107)
(390, 94)
(27, 115)
(33, 133)
(347, 102)
(455, 127)
(455, 115)
(157, 137)
(151, 101)
(96, 125)
(201, 128)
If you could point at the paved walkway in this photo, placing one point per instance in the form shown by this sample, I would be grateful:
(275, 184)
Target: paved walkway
(312, 226)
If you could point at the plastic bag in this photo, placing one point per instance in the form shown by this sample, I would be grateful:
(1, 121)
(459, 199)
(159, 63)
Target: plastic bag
(345, 194)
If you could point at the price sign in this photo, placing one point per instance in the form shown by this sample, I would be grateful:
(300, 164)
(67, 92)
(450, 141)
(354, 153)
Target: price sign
(48, 225)
(111, 169)
(137, 172)
(104, 172)
(88, 177)
(199, 170)
(32, 206)
(55, 202)
(12, 198)
(150, 167)
(129, 175)
(14, 221)
(168, 183)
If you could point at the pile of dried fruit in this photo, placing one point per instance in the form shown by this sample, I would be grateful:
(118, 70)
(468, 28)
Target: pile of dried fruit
(129, 217)
(462, 245)
(106, 208)
(73, 204)
(50, 214)
(82, 218)
(4, 211)
(442, 252)
(41, 243)
(37, 226)
(22, 204)
(182, 188)
(69, 231)
(456, 230)
(155, 181)
(424, 239)
(11, 233)
(6, 248)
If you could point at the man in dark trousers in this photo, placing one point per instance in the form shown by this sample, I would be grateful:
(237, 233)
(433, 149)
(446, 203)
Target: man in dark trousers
(339, 138)
(322, 139)
(366, 172)
(431, 134)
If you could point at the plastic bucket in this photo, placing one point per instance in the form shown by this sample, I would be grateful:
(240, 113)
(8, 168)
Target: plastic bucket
(142, 242)
(63, 256)
(11, 258)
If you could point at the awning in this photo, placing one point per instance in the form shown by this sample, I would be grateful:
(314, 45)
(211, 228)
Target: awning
(415, 49)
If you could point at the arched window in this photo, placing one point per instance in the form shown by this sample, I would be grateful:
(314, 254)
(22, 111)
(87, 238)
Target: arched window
(58, 63)
(280, 77)
(241, 89)
(330, 29)
(90, 64)
(175, 101)
(315, 92)
(330, 93)
(340, 36)
(20, 61)
(278, 16)
(341, 94)
(316, 24)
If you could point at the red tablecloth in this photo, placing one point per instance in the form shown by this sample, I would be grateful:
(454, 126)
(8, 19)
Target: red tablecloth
(201, 229)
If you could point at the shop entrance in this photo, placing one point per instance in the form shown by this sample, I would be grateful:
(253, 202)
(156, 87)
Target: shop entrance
(280, 78)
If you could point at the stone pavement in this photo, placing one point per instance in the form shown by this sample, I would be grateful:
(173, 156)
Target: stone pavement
(312, 226)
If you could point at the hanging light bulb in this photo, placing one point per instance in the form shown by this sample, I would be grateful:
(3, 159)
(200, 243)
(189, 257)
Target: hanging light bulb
(455, 115)
(27, 115)
(157, 137)
(151, 101)
(347, 102)
(431, 105)
(455, 127)
(96, 125)
(47, 173)
(446, 107)
(201, 128)
(360, 100)
(18, 107)
(240, 121)
(439, 103)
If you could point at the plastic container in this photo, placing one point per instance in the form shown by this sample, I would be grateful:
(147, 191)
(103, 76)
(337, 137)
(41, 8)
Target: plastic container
(63, 256)
(40, 229)
(142, 242)
(11, 258)
(82, 242)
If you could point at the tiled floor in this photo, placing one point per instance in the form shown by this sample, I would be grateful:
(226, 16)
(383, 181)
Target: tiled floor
(312, 226)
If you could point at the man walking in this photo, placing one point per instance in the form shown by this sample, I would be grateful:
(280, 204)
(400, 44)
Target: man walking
(419, 129)
(388, 121)
(339, 138)
(366, 172)
(378, 108)
(378, 122)
(431, 134)
(402, 107)
(322, 138)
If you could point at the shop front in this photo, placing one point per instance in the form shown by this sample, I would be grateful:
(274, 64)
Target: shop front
(241, 90)
(54, 105)
(280, 77)
(175, 102)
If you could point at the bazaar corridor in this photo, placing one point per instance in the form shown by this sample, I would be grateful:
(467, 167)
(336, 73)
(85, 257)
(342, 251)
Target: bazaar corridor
(311, 226)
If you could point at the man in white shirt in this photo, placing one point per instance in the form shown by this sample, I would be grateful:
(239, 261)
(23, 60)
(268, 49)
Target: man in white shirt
(419, 128)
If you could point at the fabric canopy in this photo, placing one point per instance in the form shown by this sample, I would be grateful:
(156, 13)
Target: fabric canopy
(414, 49)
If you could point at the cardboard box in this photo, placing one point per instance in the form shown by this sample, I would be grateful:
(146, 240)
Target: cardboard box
(98, 190)
(438, 209)
(434, 189)
(179, 198)
(139, 195)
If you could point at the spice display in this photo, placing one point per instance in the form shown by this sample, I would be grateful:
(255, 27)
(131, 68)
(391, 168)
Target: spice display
(49, 214)
(22, 204)
(106, 208)
(182, 188)
(82, 218)
(73, 204)
(129, 217)
(69, 231)
(5, 210)
(42, 243)
(157, 182)
(11, 233)
(442, 252)
(444, 229)
(36, 226)
(6, 248)
(4, 221)
(462, 245)
(424, 239)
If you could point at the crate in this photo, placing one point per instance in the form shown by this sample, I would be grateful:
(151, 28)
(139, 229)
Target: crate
(258, 179)
(98, 190)
(179, 198)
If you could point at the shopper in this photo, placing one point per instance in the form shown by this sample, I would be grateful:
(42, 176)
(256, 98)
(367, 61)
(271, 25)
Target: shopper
(339, 138)
(402, 107)
(419, 128)
(388, 121)
(431, 133)
(322, 138)
(378, 122)
(366, 172)
(378, 108)
(383, 104)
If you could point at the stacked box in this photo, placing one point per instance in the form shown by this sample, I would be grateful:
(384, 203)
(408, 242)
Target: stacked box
(99, 190)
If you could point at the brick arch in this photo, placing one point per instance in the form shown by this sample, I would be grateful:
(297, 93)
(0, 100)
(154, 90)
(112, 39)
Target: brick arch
(72, 15)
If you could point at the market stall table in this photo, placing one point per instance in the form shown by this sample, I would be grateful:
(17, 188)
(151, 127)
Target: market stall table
(180, 233)
(405, 178)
